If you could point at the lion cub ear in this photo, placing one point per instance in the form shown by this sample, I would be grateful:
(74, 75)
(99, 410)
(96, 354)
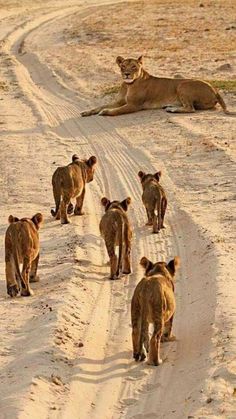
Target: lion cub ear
(91, 161)
(173, 265)
(140, 59)
(146, 264)
(37, 219)
(157, 175)
(119, 60)
(125, 203)
(75, 157)
(12, 219)
(105, 201)
(141, 174)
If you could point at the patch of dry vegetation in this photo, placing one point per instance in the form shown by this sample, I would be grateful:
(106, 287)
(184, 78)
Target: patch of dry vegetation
(187, 39)
(227, 85)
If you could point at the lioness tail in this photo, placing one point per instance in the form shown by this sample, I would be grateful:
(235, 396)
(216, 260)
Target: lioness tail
(223, 105)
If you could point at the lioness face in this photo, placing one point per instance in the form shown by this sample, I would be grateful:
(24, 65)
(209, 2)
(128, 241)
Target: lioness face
(130, 68)
(123, 205)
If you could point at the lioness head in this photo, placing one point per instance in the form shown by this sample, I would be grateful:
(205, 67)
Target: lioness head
(89, 164)
(37, 219)
(144, 177)
(123, 205)
(130, 68)
(160, 267)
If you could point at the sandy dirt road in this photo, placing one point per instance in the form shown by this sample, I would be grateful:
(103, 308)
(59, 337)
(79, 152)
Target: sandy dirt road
(66, 352)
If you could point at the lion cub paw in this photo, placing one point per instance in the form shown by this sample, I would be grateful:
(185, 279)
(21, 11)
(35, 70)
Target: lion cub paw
(27, 293)
(171, 338)
(34, 278)
(155, 363)
(65, 221)
(13, 291)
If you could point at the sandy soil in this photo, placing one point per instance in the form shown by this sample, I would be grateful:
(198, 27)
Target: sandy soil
(66, 352)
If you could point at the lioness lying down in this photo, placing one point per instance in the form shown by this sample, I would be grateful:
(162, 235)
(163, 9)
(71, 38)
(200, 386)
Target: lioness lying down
(22, 246)
(140, 90)
(153, 302)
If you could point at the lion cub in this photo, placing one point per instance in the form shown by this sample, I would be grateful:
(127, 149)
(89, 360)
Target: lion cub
(22, 246)
(154, 199)
(153, 301)
(69, 182)
(116, 231)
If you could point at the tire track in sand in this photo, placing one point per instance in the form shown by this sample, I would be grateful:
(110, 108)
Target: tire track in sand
(106, 377)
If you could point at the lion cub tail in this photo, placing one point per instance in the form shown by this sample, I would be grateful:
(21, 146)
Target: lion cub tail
(223, 105)
(121, 239)
(56, 185)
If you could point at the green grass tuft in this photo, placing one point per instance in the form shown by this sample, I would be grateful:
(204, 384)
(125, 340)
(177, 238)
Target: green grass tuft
(228, 85)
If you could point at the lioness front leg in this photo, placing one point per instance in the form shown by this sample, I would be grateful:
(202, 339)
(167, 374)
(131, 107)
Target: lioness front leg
(99, 109)
(79, 204)
(127, 108)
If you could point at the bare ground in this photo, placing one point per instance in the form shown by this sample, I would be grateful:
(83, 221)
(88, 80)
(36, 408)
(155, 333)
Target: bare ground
(66, 353)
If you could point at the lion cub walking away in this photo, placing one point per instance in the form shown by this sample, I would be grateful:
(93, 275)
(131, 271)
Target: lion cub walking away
(153, 301)
(154, 199)
(116, 231)
(69, 182)
(22, 246)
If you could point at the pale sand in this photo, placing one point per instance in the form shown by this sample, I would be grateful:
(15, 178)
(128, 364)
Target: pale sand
(45, 373)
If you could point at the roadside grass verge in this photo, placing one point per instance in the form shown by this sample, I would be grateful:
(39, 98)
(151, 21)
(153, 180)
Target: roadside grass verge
(227, 85)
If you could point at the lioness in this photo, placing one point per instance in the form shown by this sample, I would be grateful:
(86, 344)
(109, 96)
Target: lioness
(22, 246)
(140, 90)
(116, 231)
(153, 301)
(69, 182)
(154, 199)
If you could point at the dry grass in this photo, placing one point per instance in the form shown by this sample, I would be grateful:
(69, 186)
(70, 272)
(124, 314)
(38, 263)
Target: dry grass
(227, 85)
(174, 38)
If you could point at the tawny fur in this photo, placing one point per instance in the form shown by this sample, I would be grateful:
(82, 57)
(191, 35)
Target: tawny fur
(154, 199)
(69, 182)
(116, 231)
(22, 246)
(140, 91)
(153, 302)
